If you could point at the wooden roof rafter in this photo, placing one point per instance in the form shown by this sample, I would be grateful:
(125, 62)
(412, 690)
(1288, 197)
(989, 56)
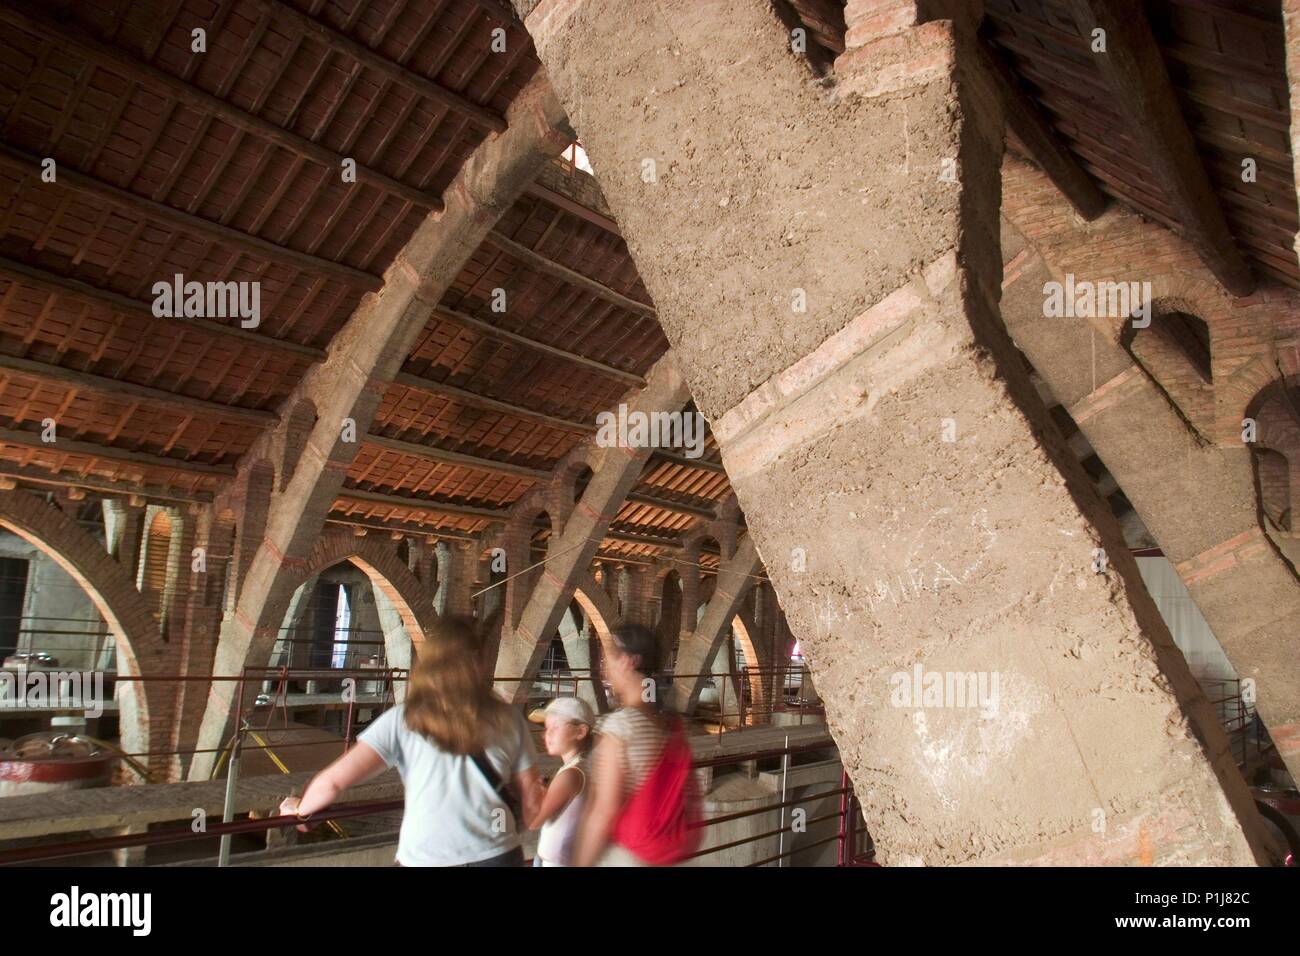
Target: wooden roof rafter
(1133, 67)
(71, 36)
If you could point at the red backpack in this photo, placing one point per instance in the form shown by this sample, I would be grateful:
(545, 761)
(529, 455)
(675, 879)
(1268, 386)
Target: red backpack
(656, 823)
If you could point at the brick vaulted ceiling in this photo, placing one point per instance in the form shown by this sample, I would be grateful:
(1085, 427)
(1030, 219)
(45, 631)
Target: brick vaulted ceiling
(224, 164)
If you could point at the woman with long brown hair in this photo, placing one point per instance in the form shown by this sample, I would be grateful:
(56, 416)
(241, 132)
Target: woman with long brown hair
(457, 747)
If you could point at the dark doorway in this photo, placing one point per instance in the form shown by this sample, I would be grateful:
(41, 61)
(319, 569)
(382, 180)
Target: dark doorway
(13, 587)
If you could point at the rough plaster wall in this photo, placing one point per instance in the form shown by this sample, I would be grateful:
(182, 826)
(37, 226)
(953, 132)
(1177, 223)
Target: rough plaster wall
(973, 556)
(762, 217)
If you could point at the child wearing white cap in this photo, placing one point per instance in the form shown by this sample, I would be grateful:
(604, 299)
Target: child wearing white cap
(569, 723)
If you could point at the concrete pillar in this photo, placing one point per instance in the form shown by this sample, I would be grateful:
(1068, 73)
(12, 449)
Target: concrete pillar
(397, 643)
(518, 584)
(576, 635)
(292, 630)
(641, 601)
(457, 590)
(123, 527)
(827, 271)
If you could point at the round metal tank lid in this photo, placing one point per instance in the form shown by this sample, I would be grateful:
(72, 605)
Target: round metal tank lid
(53, 757)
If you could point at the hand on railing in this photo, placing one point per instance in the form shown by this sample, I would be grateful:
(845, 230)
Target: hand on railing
(289, 807)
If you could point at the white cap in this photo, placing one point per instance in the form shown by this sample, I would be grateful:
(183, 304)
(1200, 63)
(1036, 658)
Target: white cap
(571, 708)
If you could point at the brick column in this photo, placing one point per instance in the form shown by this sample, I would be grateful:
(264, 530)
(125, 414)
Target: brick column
(461, 577)
(855, 330)
(196, 609)
(640, 606)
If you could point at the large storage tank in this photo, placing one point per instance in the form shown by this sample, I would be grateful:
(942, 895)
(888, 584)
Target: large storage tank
(47, 761)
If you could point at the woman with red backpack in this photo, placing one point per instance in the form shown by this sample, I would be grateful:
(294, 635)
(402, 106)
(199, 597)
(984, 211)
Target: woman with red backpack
(642, 800)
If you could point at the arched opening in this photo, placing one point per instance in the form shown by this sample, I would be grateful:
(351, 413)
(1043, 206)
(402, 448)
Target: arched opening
(1175, 352)
(597, 641)
(571, 667)
(539, 544)
(46, 613)
(1272, 432)
(580, 483)
(342, 623)
(70, 607)
(752, 683)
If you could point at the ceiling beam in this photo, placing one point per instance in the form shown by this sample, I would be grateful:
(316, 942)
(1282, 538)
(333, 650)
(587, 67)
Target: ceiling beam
(116, 388)
(1045, 147)
(341, 43)
(564, 203)
(65, 446)
(68, 36)
(415, 530)
(629, 537)
(1135, 72)
(475, 400)
(485, 328)
(605, 557)
(421, 504)
(543, 264)
(102, 486)
(55, 284)
(703, 464)
(70, 179)
(429, 453)
(667, 504)
(827, 17)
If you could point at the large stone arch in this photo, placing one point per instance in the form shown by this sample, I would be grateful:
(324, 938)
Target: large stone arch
(388, 574)
(143, 704)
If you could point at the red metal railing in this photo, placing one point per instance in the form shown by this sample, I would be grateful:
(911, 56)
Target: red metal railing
(848, 833)
(276, 680)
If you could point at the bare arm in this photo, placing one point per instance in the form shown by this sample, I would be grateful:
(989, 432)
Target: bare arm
(358, 764)
(529, 787)
(603, 804)
(566, 786)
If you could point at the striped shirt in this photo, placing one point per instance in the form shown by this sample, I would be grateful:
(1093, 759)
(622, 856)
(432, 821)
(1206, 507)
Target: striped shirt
(643, 736)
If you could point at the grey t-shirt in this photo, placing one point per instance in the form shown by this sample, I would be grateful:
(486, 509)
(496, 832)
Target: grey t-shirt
(452, 814)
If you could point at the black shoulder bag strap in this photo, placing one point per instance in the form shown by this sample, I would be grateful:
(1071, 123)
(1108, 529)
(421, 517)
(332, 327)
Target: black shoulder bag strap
(495, 782)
